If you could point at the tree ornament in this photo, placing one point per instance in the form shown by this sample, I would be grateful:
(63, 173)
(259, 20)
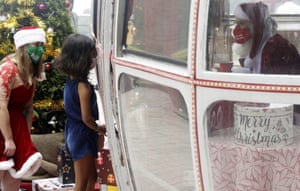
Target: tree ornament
(48, 67)
(50, 30)
(67, 3)
(3, 18)
(42, 6)
(34, 118)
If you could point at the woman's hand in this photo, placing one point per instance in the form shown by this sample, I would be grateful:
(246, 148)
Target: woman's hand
(10, 147)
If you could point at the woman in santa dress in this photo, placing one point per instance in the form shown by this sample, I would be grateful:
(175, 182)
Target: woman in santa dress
(18, 75)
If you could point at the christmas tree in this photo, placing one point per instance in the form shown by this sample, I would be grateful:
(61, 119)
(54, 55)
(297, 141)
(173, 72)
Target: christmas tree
(54, 16)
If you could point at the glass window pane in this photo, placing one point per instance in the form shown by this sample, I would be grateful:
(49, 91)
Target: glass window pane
(158, 28)
(157, 136)
(254, 146)
(254, 37)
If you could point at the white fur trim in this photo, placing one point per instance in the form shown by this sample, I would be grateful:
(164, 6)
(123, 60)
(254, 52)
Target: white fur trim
(5, 165)
(239, 13)
(32, 164)
(27, 36)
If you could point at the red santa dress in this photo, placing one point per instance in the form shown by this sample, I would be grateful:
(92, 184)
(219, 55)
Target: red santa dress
(27, 159)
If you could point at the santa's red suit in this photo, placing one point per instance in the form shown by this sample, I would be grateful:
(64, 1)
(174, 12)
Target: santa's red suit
(269, 52)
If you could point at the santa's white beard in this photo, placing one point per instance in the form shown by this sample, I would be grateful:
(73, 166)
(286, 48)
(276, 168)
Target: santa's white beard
(242, 50)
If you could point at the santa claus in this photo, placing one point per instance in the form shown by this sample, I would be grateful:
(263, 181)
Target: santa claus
(261, 48)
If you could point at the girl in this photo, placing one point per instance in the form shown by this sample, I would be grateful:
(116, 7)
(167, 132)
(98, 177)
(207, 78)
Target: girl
(77, 58)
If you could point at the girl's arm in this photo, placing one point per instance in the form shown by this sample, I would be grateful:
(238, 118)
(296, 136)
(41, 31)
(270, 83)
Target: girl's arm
(84, 91)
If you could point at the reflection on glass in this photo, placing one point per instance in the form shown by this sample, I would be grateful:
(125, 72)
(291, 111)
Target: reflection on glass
(253, 37)
(157, 138)
(254, 146)
(158, 28)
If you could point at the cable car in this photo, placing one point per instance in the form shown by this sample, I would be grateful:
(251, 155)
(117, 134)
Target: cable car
(183, 110)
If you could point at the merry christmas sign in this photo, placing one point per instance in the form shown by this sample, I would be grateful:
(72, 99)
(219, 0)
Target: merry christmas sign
(263, 125)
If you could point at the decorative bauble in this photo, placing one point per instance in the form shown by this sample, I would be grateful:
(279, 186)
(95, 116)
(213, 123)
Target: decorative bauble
(67, 3)
(42, 6)
(3, 18)
(50, 30)
(48, 67)
(34, 118)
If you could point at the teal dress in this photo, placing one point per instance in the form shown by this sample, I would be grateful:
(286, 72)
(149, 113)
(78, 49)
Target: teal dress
(80, 139)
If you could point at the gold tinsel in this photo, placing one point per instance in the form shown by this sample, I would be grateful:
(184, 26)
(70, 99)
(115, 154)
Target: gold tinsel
(12, 22)
(6, 47)
(27, 13)
(26, 2)
(49, 50)
(9, 23)
(49, 104)
(21, 2)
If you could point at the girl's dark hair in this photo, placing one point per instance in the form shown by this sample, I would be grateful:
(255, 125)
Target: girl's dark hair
(76, 56)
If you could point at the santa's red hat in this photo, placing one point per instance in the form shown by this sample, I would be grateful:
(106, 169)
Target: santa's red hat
(28, 35)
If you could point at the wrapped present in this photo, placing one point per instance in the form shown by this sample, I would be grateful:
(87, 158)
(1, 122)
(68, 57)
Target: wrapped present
(65, 166)
(105, 169)
(105, 187)
(97, 187)
(112, 188)
(50, 184)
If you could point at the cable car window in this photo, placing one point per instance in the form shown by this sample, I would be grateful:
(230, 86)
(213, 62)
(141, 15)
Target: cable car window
(158, 29)
(259, 37)
(155, 127)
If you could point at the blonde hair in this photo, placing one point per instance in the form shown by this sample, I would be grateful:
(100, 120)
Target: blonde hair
(27, 70)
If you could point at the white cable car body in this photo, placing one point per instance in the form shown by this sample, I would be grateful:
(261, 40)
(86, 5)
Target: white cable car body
(169, 99)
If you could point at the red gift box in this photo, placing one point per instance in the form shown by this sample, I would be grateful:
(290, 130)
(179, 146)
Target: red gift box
(105, 169)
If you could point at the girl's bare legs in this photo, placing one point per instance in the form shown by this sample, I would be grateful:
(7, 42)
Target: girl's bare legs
(85, 174)
(9, 183)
